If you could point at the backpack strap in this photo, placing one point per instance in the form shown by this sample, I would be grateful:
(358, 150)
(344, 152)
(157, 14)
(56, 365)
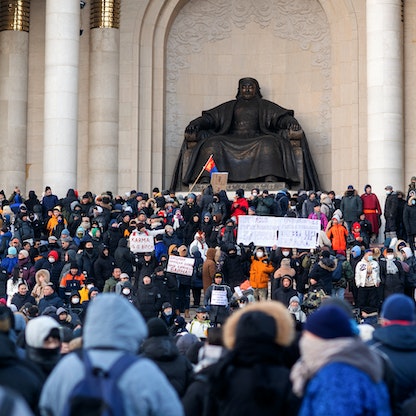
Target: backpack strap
(115, 371)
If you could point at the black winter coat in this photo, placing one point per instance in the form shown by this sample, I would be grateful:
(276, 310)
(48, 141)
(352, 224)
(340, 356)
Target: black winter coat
(111, 238)
(165, 354)
(251, 381)
(103, 267)
(283, 294)
(390, 212)
(17, 374)
(124, 257)
(322, 272)
(51, 300)
(149, 301)
(409, 217)
(235, 270)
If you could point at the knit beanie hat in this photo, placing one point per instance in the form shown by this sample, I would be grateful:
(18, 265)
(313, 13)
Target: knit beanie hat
(329, 322)
(38, 329)
(157, 328)
(356, 251)
(11, 251)
(399, 307)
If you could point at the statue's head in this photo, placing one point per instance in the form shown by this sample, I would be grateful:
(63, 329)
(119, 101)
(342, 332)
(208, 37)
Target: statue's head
(248, 88)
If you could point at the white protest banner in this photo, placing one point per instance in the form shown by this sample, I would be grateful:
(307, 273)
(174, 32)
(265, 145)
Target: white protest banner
(181, 265)
(261, 230)
(298, 233)
(140, 242)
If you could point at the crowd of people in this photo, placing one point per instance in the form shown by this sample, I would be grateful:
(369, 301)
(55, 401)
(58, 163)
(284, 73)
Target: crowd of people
(250, 329)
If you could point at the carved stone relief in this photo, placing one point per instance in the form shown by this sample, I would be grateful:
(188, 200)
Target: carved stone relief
(209, 21)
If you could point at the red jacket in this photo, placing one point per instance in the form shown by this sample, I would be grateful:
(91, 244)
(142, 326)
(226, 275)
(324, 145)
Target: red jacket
(239, 207)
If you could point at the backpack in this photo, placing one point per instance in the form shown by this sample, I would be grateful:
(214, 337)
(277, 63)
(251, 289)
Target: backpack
(97, 394)
(337, 273)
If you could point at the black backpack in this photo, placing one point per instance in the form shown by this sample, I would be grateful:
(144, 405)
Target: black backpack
(98, 394)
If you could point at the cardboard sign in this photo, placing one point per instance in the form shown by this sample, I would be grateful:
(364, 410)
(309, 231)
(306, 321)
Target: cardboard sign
(219, 181)
(181, 265)
(140, 242)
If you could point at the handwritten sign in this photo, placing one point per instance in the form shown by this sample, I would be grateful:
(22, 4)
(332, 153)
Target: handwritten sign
(219, 297)
(261, 230)
(181, 265)
(140, 242)
(219, 181)
(298, 232)
(281, 231)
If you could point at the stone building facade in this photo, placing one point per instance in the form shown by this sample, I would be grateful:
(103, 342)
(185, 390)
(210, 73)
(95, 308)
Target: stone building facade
(98, 97)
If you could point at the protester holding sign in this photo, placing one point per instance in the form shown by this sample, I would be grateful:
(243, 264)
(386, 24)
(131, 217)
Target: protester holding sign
(217, 299)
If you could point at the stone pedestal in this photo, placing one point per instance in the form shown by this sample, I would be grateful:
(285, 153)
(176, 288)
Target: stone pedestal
(247, 186)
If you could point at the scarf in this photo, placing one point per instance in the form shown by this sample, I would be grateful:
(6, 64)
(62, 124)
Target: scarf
(391, 267)
(317, 352)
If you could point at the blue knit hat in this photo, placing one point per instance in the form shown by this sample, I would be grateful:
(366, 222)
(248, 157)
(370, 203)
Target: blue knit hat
(356, 251)
(329, 322)
(399, 307)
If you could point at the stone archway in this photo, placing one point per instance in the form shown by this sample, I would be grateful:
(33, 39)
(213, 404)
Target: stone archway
(158, 136)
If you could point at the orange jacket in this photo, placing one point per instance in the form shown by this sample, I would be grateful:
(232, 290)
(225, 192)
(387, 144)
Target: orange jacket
(338, 236)
(259, 273)
(69, 276)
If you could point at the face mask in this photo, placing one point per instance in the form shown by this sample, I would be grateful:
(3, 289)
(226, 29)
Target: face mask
(390, 256)
(51, 259)
(168, 312)
(75, 301)
(370, 258)
(413, 202)
(285, 253)
(89, 249)
(126, 291)
(89, 286)
(388, 192)
(254, 194)
(259, 254)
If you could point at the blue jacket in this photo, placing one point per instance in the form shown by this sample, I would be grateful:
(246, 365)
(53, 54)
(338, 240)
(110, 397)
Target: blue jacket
(113, 326)
(343, 390)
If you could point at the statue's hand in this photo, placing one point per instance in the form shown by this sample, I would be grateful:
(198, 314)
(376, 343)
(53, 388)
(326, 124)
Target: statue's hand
(294, 126)
(191, 132)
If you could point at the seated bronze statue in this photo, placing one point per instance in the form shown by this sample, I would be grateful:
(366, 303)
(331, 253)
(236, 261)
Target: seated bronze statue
(250, 138)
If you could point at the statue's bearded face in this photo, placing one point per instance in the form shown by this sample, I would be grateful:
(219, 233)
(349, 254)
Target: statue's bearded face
(248, 90)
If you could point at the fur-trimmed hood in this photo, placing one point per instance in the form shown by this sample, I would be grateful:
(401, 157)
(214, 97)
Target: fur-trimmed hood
(284, 322)
(412, 198)
(328, 264)
(45, 273)
(350, 193)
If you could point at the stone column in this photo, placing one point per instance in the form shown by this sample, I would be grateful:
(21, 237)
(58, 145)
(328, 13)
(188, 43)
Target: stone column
(14, 52)
(61, 95)
(104, 95)
(385, 94)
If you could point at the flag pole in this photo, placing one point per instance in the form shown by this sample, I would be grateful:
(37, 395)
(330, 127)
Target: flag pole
(200, 173)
